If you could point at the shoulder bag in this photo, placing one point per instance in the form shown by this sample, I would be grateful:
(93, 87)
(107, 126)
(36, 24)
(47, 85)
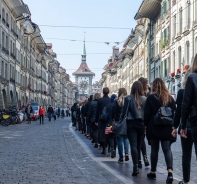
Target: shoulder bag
(121, 128)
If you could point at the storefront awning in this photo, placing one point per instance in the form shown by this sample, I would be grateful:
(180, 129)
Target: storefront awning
(149, 9)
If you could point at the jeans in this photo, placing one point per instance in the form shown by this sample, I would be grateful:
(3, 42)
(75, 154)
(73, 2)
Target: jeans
(166, 147)
(143, 148)
(122, 140)
(186, 144)
(41, 119)
(49, 116)
(194, 137)
(135, 136)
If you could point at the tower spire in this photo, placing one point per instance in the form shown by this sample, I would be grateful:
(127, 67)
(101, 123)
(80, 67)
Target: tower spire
(84, 50)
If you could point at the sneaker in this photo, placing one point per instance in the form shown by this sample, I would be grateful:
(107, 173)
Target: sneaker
(146, 162)
(96, 146)
(126, 157)
(181, 182)
(169, 178)
(113, 154)
(151, 176)
(120, 160)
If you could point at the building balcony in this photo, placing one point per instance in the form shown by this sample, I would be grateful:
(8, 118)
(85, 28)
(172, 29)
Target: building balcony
(149, 9)
(5, 51)
(12, 56)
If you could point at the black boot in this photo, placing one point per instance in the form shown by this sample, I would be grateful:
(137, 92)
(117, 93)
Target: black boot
(135, 170)
(146, 162)
(169, 178)
(140, 164)
(151, 176)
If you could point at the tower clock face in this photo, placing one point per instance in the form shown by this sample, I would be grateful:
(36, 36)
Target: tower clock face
(83, 85)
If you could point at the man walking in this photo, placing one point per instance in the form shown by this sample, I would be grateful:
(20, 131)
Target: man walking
(50, 112)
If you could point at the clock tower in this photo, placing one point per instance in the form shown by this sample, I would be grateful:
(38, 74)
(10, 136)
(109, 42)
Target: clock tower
(83, 76)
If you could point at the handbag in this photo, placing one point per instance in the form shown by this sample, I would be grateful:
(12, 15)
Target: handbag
(121, 128)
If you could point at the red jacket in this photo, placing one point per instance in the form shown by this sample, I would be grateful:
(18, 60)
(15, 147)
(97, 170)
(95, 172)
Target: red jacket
(41, 111)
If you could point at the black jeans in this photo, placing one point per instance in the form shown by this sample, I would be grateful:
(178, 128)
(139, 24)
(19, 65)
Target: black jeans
(186, 144)
(166, 147)
(194, 137)
(143, 148)
(41, 119)
(135, 136)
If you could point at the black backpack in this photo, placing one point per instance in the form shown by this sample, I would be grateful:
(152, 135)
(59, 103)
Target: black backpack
(104, 115)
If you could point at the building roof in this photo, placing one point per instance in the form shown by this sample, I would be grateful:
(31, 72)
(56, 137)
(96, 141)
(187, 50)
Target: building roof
(83, 70)
(84, 50)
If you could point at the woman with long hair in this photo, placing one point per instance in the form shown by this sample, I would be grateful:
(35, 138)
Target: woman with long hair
(189, 106)
(135, 123)
(155, 133)
(116, 111)
(185, 143)
(146, 89)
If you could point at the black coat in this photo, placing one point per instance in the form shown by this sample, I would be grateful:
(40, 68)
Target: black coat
(92, 111)
(177, 115)
(102, 102)
(189, 99)
(152, 106)
(116, 111)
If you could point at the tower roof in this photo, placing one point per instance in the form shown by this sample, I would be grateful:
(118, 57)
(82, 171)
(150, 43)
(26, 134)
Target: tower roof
(83, 70)
(84, 49)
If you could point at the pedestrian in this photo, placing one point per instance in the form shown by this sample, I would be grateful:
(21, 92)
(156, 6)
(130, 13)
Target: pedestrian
(73, 114)
(58, 112)
(79, 124)
(146, 91)
(186, 143)
(135, 122)
(50, 112)
(83, 114)
(28, 112)
(189, 106)
(102, 102)
(110, 135)
(88, 127)
(157, 133)
(41, 115)
(62, 114)
(92, 117)
(55, 113)
(122, 140)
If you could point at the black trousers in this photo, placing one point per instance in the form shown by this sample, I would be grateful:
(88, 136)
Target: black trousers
(166, 147)
(41, 119)
(194, 137)
(186, 144)
(135, 136)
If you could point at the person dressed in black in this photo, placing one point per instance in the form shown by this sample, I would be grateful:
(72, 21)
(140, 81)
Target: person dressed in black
(156, 134)
(50, 112)
(102, 102)
(92, 117)
(186, 143)
(189, 107)
(88, 124)
(83, 117)
(74, 114)
(79, 124)
(146, 92)
(135, 123)
(62, 114)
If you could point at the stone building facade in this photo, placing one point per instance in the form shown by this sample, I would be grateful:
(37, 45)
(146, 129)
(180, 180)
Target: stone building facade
(29, 70)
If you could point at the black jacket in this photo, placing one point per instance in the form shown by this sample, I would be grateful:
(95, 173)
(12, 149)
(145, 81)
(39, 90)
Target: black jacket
(92, 111)
(177, 115)
(189, 99)
(133, 112)
(102, 102)
(83, 111)
(50, 110)
(116, 110)
(152, 106)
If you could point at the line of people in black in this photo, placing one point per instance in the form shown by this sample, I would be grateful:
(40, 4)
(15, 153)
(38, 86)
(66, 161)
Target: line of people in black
(152, 113)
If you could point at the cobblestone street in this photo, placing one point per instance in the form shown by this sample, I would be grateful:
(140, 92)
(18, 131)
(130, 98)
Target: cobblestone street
(50, 153)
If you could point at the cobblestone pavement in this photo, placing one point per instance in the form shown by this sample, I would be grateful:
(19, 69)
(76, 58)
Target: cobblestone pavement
(47, 153)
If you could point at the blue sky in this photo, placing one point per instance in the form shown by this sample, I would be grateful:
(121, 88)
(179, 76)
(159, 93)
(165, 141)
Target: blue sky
(89, 13)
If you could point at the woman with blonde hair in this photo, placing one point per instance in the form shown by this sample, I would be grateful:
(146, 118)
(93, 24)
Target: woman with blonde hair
(185, 143)
(156, 132)
(189, 106)
(116, 111)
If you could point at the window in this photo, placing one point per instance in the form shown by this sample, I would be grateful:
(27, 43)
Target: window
(2, 69)
(187, 54)
(7, 44)
(6, 69)
(188, 14)
(180, 20)
(179, 57)
(3, 39)
(173, 61)
(3, 14)
(174, 26)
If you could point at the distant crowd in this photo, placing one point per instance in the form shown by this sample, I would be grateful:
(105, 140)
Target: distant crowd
(150, 112)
